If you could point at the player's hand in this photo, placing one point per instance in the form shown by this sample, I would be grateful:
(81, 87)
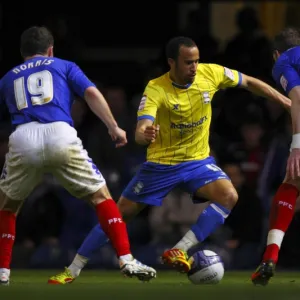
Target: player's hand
(293, 164)
(150, 133)
(118, 135)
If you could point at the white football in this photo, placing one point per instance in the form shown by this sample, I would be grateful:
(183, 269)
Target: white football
(206, 268)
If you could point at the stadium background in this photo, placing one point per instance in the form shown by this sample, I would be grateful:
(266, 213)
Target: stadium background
(120, 46)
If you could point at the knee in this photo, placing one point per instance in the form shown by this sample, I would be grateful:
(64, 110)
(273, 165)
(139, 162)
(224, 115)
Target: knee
(12, 206)
(125, 211)
(8, 204)
(128, 209)
(98, 197)
(229, 198)
(295, 182)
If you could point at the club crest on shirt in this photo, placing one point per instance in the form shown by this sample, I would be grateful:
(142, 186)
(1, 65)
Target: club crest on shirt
(138, 187)
(283, 82)
(206, 98)
(143, 102)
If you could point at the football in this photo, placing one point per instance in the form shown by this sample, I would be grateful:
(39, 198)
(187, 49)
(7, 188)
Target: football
(206, 268)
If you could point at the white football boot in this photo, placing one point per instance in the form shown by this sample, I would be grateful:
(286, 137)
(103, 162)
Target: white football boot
(4, 278)
(134, 268)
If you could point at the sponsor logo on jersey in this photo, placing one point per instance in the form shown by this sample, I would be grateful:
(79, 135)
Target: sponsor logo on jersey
(189, 125)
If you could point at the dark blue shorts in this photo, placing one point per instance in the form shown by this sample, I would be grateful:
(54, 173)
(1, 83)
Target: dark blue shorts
(153, 182)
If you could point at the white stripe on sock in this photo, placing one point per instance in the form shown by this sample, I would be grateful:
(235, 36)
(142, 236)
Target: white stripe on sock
(219, 210)
(275, 236)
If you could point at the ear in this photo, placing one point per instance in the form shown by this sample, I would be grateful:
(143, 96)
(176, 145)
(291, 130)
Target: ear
(276, 54)
(171, 61)
(50, 51)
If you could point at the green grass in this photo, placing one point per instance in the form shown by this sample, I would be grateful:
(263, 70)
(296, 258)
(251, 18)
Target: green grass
(168, 285)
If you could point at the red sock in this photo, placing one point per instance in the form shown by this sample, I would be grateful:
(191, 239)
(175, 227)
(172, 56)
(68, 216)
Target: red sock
(112, 224)
(281, 215)
(7, 237)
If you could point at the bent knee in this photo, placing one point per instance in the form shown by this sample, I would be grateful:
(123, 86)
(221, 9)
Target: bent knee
(129, 209)
(12, 206)
(294, 182)
(126, 210)
(8, 204)
(99, 196)
(229, 198)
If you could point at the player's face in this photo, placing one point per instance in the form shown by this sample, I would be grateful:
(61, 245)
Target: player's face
(187, 63)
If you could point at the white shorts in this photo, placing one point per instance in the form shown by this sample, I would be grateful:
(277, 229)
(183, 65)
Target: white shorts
(35, 149)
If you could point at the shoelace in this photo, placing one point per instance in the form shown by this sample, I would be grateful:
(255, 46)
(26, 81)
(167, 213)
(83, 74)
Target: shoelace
(62, 275)
(142, 265)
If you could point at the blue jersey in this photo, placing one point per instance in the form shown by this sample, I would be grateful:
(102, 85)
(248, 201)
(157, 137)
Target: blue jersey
(42, 89)
(286, 70)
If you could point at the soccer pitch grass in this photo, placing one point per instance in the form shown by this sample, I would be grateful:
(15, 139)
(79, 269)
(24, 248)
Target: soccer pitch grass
(168, 285)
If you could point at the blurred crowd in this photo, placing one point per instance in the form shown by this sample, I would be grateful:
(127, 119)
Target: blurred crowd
(250, 139)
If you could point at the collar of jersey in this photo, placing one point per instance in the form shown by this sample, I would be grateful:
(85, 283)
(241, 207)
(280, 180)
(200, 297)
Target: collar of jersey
(179, 86)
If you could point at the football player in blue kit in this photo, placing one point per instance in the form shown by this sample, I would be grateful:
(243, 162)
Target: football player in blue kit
(286, 73)
(39, 94)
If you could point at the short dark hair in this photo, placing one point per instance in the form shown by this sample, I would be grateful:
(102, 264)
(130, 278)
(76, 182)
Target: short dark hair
(174, 44)
(286, 39)
(36, 40)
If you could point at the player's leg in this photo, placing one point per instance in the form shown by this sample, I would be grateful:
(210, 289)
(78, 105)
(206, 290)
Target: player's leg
(142, 190)
(17, 182)
(281, 215)
(97, 237)
(82, 179)
(114, 227)
(95, 240)
(222, 198)
(71, 165)
(8, 212)
(205, 180)
(112, 223)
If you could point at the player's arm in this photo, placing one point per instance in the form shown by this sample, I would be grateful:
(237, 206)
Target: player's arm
(99, 106)
(294, 95)
(286, 76)
(289, 80)
(226, 77)
(262, 89)
(96, 101)
(293, 163)
(146, 131)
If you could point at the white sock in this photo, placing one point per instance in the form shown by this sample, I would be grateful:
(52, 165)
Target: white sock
(275, 236)
(127, 257)
(77, 265)
(188, 241)
(6, 271)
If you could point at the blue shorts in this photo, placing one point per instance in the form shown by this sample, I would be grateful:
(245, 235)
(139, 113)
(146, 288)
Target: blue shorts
(153, 181)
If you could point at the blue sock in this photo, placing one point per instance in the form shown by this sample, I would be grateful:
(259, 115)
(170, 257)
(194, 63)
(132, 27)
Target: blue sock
(96, 239)
(210, 219)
